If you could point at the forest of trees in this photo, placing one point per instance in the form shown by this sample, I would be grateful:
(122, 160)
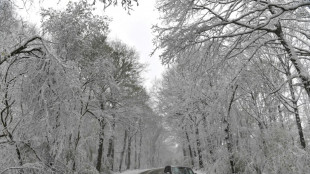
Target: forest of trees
(235, 97)
(71, 101)
(238, 88)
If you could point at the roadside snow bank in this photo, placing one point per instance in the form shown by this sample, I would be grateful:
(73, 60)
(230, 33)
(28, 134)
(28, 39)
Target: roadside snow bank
(199, 172)
(132, 171)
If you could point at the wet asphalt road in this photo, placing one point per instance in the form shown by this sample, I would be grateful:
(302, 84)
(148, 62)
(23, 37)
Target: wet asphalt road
(154, 171)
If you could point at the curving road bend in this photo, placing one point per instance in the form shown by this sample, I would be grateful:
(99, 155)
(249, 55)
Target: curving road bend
(154, 171)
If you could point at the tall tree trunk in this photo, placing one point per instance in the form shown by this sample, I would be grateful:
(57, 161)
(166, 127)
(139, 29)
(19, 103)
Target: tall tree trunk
(123, 151)
(193, 148)
(184, 152)
(110, 154)
(296, 112)
(302, 74)
(189, 148)
(136, 153)
(228, 135)
(140, 149)
(129, 153)
(100, 147)
(198, 147)
(208, 141)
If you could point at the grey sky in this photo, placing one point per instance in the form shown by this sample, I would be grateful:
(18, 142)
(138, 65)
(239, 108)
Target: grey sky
(135, 30)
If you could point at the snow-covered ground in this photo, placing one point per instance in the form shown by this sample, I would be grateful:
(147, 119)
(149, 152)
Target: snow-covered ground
(200, 172)
(133, 171)
(140, 171)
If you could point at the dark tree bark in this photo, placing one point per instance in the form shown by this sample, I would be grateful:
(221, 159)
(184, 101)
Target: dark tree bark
(189, 148)
(110, 154)
(228, 135)
(24, 49)
(184, 151)
(19, 158)
(193, 148)
(78, 138)
(129, 153)
(136, 153)
(123, 152)
(6, 118)
(210, 145)
(296, 112)
(292, 55)
(100, 147)
(140, 147)
(200, 160)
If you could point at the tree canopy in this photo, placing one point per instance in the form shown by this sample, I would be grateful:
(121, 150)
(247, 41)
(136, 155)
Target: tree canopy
(68, 94)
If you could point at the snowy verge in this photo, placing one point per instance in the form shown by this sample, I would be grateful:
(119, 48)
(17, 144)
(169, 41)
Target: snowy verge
(199, 172)
(133, 171)
(142, 170)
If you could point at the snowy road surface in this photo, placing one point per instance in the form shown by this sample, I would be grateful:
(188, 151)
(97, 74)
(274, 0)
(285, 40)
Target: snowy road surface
(154, 171)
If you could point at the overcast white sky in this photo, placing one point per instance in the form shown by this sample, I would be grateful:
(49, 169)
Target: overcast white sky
(134, 30)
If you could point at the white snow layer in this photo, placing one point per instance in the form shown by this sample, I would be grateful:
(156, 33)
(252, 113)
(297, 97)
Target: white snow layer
(140, 171)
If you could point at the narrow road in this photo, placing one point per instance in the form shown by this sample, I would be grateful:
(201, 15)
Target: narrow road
(154, 171)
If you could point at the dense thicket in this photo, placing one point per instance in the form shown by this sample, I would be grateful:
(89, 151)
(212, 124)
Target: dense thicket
(71, 101)
(238, 86)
